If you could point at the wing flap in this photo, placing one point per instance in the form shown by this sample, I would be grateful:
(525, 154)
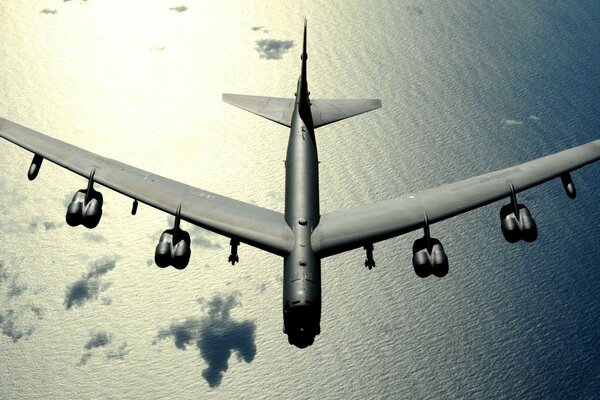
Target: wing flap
(348, 229)
(257, 226)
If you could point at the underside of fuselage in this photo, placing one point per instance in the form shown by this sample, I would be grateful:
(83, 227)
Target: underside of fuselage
(302, 266)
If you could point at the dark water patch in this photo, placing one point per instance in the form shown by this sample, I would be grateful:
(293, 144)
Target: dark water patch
(216, 335)
(90, 285)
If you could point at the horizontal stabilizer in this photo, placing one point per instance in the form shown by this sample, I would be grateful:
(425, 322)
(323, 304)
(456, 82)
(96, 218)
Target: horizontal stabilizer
(276, 109)
(327, 111)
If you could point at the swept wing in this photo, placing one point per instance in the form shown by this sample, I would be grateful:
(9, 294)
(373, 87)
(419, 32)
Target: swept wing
(248, 223)
(362, 225)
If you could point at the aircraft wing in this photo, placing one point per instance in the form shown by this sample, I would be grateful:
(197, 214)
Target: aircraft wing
(248, 223)
(343, 230)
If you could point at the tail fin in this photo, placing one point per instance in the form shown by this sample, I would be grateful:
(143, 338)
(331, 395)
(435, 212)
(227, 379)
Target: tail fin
(304, 56)
(303, 84)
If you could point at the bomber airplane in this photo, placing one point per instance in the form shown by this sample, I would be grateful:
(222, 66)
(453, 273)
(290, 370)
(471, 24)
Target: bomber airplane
(301, 235)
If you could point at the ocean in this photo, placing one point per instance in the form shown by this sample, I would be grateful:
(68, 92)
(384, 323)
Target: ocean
(468, 87)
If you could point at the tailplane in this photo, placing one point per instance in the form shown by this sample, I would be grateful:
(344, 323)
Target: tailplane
(325, 112)
(281, 110)
(276, 109)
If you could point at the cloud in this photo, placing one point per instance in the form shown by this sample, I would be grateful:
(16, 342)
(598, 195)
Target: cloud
(98, 339)
(203, 238)
(3, 272)
(183, 333)
(119, 353)
(85, 358)
(216, 335)
(51, 225)
(273, 49)
(10, 326)
(178, 9)
(35, 224)
(90, 285)
(12, 196)
(512, 122)
(38, 311)
(263, 287)
(101, 339)
(16, 289)
(261, 28)
(415, 10)
(93, 237)
(14, 321)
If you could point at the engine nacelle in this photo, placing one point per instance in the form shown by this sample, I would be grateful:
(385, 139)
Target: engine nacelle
(173, 248)
(87, 214)
(518, 228)
(429, 258)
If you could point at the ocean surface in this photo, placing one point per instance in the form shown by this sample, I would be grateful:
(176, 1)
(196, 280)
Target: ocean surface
(468, 87)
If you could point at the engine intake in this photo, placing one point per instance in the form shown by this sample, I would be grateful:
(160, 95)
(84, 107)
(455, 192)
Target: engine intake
(517, 227)
(430, 259)
(86, 206)
(429, 256)
(85, 209)
(173, 247)
(516, 221)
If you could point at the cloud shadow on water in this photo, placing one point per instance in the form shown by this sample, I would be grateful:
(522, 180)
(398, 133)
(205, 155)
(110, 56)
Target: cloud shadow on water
(216, 335)
(15, 310)
(90, 285)
(97, 339)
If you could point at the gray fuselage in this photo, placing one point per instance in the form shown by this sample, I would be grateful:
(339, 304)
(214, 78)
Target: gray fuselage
(302, 267)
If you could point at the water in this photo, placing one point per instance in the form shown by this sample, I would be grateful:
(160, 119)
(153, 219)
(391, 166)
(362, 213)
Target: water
(467, 88)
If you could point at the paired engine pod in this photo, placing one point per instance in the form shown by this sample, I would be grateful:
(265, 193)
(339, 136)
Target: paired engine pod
(429, 258)
(173, 248)
(87, 213)
(517, 227)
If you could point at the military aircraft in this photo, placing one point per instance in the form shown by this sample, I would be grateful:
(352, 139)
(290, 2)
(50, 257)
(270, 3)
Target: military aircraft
(301, 235)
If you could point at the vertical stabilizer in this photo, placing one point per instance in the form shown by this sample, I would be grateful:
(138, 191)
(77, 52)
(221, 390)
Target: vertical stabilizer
(302, 95)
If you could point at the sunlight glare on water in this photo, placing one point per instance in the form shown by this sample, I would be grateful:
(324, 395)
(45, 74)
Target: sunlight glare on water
(467, 88)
